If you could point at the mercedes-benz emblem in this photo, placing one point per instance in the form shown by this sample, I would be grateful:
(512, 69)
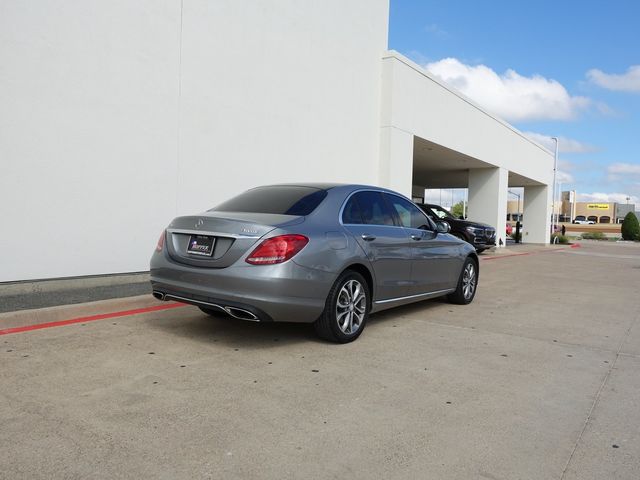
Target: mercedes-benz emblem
(199, 223)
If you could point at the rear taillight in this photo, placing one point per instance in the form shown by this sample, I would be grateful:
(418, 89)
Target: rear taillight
(160, 244)
(277, 249)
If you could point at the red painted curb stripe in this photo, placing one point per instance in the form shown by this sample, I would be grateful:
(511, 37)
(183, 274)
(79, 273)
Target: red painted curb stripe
(91, 318)
(507, 256)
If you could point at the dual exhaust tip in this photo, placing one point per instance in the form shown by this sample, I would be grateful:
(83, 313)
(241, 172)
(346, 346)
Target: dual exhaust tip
(235, 312)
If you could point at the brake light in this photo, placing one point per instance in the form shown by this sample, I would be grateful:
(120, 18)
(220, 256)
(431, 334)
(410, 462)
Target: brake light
(277, 249)
(160, 244)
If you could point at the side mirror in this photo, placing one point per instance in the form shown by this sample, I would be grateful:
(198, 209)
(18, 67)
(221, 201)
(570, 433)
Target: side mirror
(443, 227)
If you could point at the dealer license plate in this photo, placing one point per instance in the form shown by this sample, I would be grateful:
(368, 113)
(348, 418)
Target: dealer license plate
(201, 245)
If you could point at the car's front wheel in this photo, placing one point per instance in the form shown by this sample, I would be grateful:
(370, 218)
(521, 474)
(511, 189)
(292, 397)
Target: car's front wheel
(346, 309)
(467, 283)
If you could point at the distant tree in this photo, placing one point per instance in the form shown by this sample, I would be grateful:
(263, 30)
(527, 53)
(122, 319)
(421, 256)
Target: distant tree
(457, 210)
(630, 227)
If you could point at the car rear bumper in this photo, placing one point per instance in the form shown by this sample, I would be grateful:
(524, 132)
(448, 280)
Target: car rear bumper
(285, 292)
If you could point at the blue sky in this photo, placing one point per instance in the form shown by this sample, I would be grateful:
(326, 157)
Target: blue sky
(568, 69)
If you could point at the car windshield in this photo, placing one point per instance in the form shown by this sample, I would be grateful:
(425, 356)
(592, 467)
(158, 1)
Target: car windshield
(279, 199)
(440, 212)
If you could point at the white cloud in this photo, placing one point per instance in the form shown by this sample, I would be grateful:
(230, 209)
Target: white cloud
(565, 145)
(624, 169)
(598, 197)
(564, 177)
(625, 82)
(511, 96)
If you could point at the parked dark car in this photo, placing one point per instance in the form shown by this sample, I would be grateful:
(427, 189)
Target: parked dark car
(480, 235)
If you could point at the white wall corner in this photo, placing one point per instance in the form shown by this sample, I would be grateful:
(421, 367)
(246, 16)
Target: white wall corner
(396, 160)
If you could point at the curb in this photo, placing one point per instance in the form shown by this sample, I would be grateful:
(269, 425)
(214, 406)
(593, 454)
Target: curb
(27, 287)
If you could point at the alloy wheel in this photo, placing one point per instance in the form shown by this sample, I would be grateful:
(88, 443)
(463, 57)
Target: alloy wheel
(351, 307)
(469, 280)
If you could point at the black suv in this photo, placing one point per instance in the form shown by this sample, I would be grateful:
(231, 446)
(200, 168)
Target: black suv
(480, 235)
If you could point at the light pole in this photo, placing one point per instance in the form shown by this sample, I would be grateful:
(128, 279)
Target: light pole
(555, 172)
(559, 202)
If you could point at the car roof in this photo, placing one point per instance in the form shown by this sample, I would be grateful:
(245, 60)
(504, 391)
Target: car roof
(430, 205)
(329, 186)
(318, 185)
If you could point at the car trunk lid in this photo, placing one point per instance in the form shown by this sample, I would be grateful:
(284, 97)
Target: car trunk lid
(219, 239)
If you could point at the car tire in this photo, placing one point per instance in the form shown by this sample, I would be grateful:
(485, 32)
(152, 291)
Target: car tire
(346, 309)
(467, 283)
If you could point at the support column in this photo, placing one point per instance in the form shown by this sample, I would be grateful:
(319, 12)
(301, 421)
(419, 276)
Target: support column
(396, 160)
(488, 189)
(537, 214)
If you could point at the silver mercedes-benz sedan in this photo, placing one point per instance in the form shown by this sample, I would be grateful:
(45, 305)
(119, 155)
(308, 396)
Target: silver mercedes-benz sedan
(325, 254)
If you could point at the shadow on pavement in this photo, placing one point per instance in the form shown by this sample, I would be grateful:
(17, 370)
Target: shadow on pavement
(191, 323)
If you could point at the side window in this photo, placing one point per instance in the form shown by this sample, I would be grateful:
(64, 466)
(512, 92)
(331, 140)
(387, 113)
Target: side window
(410, 215)
(351, 213)
(373, 208)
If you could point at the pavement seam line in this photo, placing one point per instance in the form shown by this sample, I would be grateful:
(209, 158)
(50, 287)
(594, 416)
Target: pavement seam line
(597, 397)
(632, 355)
(525, 337)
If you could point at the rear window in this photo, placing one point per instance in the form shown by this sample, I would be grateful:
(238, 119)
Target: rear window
(281, 200)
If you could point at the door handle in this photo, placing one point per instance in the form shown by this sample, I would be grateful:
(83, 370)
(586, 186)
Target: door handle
(368, 238)
(416, 236)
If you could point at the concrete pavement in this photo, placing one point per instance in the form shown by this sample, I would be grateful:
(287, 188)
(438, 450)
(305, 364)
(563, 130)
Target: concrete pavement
(537, 379)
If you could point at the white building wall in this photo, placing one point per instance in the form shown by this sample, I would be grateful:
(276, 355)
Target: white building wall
(418, 104)
(277, 92)
(117, 115)
(397, 175)
(415, 103)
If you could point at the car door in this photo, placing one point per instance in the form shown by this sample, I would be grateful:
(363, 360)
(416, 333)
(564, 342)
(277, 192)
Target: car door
(370, 220)
(435, 262)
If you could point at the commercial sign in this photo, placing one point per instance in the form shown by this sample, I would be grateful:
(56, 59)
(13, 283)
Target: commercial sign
(598, 206)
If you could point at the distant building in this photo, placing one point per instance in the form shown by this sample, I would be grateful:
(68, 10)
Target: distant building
(596, 212)
(569, 209)
(622, 209)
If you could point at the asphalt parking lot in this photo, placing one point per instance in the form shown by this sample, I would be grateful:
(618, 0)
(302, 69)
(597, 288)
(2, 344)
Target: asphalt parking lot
(537, 379)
